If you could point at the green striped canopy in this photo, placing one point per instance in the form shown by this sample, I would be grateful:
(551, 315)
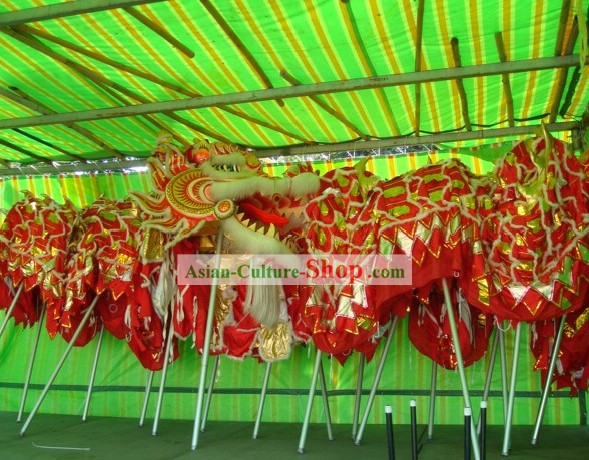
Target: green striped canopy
(97, 79)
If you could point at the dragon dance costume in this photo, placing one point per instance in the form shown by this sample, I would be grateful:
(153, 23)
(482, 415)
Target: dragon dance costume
(514, 242)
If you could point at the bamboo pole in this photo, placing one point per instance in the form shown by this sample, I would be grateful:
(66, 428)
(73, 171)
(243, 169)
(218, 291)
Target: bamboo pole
(57, 148)
(152, 78)
(563, 73)
(505, 79)
(330, 110)
(99, 79)
(25, 152)
(244, 51)
(150, 119)
(64, 9)
(460, 84)
(160, 31)
(562, 24)
(18, 96)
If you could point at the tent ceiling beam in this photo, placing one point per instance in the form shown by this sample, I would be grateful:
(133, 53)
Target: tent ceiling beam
(99, 79)
(85, 72)
(18, 96)
(508, 96)
(23, 151)
(325, 106)
(64, 168)
(245, 52)
(111, 165)
(160, 31)
(25, 29)
(369, 69)
(421, 140)
(147, 120)
(418, 52)
(57, 148)
(60, 10)
(298, 91)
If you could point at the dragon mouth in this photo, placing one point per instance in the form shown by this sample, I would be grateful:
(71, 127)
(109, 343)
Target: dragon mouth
(253, 216)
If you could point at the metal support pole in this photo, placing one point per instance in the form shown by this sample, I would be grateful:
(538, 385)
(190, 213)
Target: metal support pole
(467, 431)
(546, 389)
(11, 308)
(146, 399)
(25, 389)
(59, 365)
(376, 381)
(510, 403)
(489, 374)
(388, 410)
(413, 410)
(432, 401)
(160, 395)
(92, 375)
(358, 395)
(206, 346)
(312, 390)
(205, 414)
(262, 400)
(325, 401)
(483, 430)
(503, 356)
(460, 363)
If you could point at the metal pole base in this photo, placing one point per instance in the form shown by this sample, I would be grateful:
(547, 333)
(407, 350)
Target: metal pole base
(30, 368)
(312, 389)
(59, 366)
(262, 400)
(511, 401)
(432, 402)
(460, 365)
(206, 347)
(146, 398)
(92, 375)
(357, 402)
(205, 414)
(376, 381)
(160, 396)
(546, 389)
(325, 402)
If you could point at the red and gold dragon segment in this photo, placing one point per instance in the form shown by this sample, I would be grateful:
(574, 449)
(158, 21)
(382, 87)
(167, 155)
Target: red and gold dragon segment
(513, 242)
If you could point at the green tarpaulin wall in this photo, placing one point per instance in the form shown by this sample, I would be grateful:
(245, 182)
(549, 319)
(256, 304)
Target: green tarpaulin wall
(120, 379)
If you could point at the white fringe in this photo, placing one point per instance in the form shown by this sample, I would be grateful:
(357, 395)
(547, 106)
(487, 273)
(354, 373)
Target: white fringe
(263, 302)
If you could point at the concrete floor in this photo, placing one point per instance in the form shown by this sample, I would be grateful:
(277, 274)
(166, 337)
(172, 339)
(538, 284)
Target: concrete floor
(66, 437)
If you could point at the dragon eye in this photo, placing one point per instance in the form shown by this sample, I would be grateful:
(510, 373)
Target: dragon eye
(202, 155)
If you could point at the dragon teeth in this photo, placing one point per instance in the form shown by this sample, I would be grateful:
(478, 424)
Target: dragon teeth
(271, 231)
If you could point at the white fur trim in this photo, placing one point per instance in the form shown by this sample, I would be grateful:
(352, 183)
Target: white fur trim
(298, 186)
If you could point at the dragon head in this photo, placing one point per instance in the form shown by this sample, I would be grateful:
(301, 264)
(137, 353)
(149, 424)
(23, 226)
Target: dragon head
(216, 183)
